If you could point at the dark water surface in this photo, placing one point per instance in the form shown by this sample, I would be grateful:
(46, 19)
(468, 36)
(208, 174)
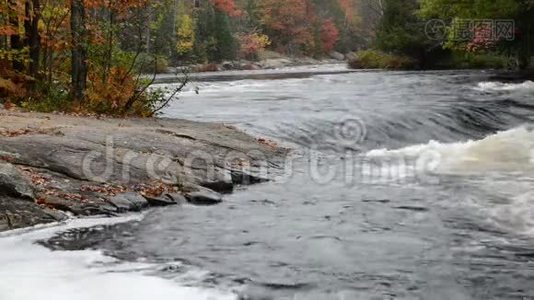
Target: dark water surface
(429, 197)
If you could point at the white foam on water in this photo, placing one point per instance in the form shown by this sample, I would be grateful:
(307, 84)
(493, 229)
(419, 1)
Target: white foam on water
(29, 271)
(507, 151)
(516, 216)
(503, 165)
(500, 86)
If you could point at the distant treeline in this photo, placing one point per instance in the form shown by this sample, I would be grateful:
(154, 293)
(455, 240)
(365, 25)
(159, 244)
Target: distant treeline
(453, 34)
(216, 30)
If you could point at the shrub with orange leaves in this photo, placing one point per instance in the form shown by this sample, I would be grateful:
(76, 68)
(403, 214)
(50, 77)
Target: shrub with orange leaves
(113, 95)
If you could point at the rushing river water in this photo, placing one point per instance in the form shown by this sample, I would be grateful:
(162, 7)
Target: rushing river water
(403, 185)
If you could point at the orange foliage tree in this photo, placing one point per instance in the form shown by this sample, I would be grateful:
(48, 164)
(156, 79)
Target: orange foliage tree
(287, 22)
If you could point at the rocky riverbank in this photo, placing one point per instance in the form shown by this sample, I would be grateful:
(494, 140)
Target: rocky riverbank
(54, 166)
(269, 61)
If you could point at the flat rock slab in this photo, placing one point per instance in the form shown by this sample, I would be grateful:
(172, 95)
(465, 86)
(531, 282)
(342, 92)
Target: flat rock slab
(93, 166)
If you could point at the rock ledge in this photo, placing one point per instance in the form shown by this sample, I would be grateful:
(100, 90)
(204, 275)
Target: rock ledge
(52, 163)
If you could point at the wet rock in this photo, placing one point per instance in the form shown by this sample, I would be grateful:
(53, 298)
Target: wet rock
(129, 202)
(16, 213)
(13, 183)
(159, 201)
(221, 186)
(178, 198)
(240, 177)
(78, 208)
(57, 215)
(203, 196)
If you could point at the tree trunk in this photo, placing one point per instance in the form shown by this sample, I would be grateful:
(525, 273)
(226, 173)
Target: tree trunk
(147, 28)
(79, 49)
(33, 39)
(15, 40)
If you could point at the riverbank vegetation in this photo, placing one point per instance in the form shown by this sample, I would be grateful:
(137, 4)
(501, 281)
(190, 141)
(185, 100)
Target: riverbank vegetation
(442, 34)
(86, 56)
(78, 56)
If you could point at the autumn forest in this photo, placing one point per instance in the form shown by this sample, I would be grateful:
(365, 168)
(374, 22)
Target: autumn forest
(86, 56)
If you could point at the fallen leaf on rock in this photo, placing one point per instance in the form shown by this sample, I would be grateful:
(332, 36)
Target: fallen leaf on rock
(36, 178)
(267, 142)
(25, 131)
(105, 189)
(154, 189)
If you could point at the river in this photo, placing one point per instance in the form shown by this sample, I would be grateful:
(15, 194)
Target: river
(403, 185)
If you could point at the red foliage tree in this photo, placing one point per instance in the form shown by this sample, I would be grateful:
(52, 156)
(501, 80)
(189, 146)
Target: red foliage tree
(329, 35)
(229, 7)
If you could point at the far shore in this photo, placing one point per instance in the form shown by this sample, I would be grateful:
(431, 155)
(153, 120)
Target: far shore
(301, 71)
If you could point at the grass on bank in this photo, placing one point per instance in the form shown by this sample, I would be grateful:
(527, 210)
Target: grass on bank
(376, 59)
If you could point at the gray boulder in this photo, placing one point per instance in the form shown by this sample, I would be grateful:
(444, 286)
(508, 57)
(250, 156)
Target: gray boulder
(336, 55)
(13, 183)
(351, 56)
(203, 196)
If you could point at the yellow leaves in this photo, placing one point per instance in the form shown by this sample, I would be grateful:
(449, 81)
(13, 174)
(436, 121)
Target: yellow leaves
(7, 86)
(12, 86)
(14, 55)
(185, 34)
